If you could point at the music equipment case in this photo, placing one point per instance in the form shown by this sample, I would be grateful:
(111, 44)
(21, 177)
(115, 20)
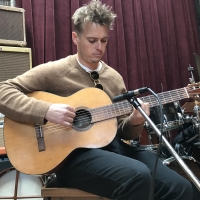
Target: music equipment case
(14, 61)
(12, 26)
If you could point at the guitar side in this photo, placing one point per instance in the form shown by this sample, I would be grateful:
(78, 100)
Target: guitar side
(21, 142)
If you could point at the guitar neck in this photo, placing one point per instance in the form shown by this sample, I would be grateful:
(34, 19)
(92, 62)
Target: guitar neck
(124, 107)
(166, 97)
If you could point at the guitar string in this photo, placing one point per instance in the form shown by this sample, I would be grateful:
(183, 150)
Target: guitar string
(55, 126)
(97, 114)
(106, 112)
(86, 119)
(166, 96)
(100, 114)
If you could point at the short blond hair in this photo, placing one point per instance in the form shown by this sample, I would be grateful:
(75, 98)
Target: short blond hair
(95, 12)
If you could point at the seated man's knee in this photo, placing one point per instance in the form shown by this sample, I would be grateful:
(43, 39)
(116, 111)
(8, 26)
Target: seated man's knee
(142, 176)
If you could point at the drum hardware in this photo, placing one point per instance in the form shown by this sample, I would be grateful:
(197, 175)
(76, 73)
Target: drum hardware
(163, 140)
(183, 151)
(192, 138)
(193, 164)
(47, 179)
(196, 122)
(179, 160)
(169, 160)
(174, 155)
(190, 69)
(187, 118)
(147, 140)
(185, 140)
(196, 107)
(172, 117)
(134, 143)
(196, 152)
(150, 147)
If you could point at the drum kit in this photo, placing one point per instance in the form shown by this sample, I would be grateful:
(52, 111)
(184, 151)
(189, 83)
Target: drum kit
(182, 132)
(181, 128)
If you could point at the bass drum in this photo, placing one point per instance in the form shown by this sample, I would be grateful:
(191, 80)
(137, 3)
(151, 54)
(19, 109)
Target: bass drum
(191, 162)
(26, 186)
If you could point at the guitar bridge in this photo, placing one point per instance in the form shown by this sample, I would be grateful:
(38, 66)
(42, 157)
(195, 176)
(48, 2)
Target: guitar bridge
(40, 137)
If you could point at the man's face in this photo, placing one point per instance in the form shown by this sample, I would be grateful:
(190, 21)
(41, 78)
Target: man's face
(91, 44)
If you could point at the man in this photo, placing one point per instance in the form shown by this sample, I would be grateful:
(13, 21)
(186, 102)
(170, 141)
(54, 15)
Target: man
(117, 170)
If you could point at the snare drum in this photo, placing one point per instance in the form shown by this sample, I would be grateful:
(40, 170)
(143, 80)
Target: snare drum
(172, 115)
(28, 186)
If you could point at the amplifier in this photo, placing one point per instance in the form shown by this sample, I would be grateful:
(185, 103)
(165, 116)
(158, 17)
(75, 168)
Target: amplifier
(12, 23)
(14, 61)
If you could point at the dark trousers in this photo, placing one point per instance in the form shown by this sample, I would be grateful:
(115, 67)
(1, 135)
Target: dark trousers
(123, 172)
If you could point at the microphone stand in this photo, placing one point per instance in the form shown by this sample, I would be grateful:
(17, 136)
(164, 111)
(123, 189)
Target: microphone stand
(190, 174)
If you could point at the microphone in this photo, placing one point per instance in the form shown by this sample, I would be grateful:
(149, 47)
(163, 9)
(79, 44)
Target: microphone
(130, 94)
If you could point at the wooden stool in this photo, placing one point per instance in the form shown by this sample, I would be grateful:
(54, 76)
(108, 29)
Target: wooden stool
(56, 191)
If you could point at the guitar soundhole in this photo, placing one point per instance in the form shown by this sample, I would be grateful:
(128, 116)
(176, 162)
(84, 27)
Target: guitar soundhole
(82, 121)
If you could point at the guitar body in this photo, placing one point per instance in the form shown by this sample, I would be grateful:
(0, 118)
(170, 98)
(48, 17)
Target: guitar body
(97, 131)
(22, 145)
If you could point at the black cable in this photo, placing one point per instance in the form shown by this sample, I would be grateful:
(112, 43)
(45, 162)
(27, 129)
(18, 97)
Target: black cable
(160, 142)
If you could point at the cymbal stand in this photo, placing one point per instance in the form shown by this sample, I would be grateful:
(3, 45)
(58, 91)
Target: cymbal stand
(190, 174)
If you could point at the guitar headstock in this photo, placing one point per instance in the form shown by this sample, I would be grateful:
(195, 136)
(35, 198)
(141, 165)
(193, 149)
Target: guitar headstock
(194, 91)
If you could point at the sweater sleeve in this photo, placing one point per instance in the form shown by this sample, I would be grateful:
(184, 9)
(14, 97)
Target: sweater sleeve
(127, 131)
(16, 105)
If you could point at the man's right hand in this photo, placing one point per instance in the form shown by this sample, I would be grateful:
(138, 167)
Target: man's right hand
(62, 114)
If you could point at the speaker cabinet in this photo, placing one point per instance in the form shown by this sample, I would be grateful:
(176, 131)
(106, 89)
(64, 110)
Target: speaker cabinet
(12, 26)
(14, 61)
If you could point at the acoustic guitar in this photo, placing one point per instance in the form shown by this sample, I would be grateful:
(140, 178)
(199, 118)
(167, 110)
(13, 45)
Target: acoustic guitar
(38, 149)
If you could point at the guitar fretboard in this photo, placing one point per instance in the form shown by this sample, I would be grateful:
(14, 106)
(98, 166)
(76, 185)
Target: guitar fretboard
(166, 97)
(124, 107)
(111, 111)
